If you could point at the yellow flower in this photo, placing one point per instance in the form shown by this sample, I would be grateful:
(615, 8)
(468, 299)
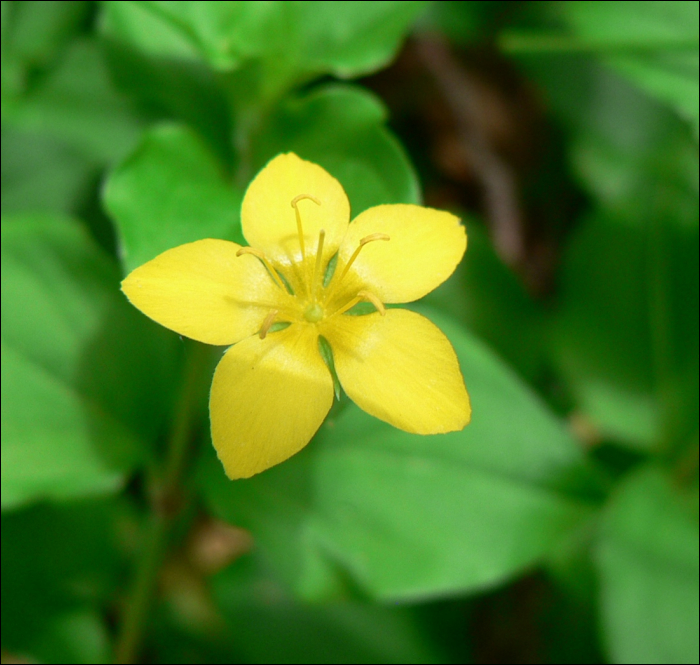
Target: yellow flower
(272, 388)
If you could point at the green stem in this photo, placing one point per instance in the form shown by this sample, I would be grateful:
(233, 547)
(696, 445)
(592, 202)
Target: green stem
(131, 632)
(165, 506)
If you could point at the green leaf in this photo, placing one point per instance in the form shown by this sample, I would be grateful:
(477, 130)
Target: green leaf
(625, 335)
(35, 32)
(408, 516)
(342, 128)
(347, 39)
(268, 626)
(78, 105)
(73, 636)
(40, 173)
(625, 332)
(59, 564)
(653, 44)
(34, 35)
(647, 558)
(4, 19)
(631, 153)
(172, 89)
(85, 380)
(488, 298)
(601, 334)
(170, 191)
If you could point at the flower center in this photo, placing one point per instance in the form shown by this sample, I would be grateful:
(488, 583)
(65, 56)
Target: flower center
(315, 297)
(314, 313)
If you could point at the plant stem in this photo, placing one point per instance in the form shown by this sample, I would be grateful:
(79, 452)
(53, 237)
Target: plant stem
(165, 495)
(134, 620)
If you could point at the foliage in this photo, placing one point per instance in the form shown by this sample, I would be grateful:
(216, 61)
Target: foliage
(131, 127)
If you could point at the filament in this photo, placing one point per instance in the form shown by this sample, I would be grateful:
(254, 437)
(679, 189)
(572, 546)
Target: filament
(370, 238)
(319, 260)
(258, 254)
(362, 295)
(300, 231)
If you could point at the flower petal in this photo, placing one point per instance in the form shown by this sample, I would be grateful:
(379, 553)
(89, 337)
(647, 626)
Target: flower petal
(204, 291)
(400, 368)
(268, 218)
(425, 247)
(268, 399)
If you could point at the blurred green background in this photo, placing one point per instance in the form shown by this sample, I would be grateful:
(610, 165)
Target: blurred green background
(561, 526)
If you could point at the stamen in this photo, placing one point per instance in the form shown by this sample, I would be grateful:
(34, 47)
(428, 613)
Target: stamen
(259, 255)
(300, 231)
(362, 295)
(370, 238)
(319, 260)
(347, 306)
(366, 295)
(269, 320)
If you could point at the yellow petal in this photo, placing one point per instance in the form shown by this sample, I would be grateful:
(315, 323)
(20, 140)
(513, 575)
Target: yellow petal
(268, 218)
(268, 399)
(204, 291)
(425, 247)
(400, 368)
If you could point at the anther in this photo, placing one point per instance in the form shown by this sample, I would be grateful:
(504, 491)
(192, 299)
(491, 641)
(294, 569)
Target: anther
(300, 231)
(370, 297)
(362, 295)
(267, 323)
(373, 236)
(301, 197)
(251, 250)
(363, 241)
(259, 255)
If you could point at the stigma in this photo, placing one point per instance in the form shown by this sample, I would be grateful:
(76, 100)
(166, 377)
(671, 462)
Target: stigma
(314, 313)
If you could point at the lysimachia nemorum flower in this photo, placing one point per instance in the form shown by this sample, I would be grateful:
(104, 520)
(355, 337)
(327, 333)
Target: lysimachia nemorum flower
(287, 304)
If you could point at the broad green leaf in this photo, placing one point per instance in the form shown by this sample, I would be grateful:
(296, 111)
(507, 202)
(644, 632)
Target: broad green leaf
(647, 558)
(85, 381)
(266, 625)
(40, 173)
(344, 38)
(408, 516)
(77, 104)
(342, 128)
(630, 152)
(626, 333)
(654, 44)
(601, 334)
(173, 90)
(488, 297)
(633, 155)
(59, 565)
(171, 190)
(34, 35)
(4, 18)
(35, 32)
(12, 80)
(59, 133)
(349, 38)
(73, 636)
